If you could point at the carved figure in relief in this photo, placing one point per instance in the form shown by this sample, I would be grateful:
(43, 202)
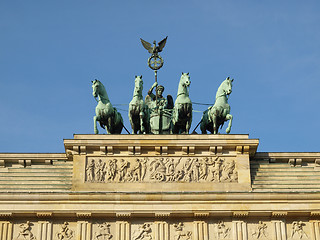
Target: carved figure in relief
(90, 171)
(216, 171)
(180, 233)
(204, 166)
(297, 230)
(179, 175)
(143, 232)
(137, 171)
(221, 230)
(228, 171)
(187, 170)
(111, 169)
(122, 170)
(25, 232)
(104, 232)
(100, 173)
(204, 169)
(195, 170)
(260, 231)
(171, 174)
(65, 233)
(158, 169)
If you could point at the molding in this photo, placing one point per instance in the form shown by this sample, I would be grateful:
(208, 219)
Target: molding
(84, 215)
(162, 215)
(201, 214)
(280, 214)
(240, 214)
(5, 215)
(44, 214)
(123, 214)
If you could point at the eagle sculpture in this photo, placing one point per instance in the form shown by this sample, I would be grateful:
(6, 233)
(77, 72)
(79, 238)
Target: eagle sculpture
(154, 50)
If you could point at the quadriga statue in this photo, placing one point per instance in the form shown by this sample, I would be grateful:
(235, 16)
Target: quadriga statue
(138, 110)
(106, 114)
(216, 115)
(182, 111)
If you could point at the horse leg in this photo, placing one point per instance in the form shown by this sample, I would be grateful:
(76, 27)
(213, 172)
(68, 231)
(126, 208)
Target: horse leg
(142, 128)
(229, 117)
(109, 125)
(189, 116)
(214, 124)
(95, 125)
(131, 120)
(203, 123)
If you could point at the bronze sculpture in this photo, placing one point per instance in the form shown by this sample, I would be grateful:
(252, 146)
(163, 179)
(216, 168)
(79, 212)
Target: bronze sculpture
(108, 116)
(215, 116)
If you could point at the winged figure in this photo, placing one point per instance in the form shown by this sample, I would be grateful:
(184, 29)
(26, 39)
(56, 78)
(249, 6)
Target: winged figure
(154, 50)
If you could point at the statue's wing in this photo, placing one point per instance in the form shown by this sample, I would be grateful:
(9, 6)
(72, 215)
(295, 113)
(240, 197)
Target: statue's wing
(146, 45)
(162, 43)
(170, 103)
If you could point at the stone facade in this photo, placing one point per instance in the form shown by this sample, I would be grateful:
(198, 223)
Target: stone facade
(160, 187)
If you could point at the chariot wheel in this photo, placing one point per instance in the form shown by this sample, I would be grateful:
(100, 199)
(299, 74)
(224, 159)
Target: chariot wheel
(159, 176)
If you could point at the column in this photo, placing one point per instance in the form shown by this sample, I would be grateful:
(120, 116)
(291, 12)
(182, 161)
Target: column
(315, 230)
(122, 230)
(200, 230)
(84, 230)
(5, 230)
(240, 231)
(161, 230)
(279, 230)
(45, 230)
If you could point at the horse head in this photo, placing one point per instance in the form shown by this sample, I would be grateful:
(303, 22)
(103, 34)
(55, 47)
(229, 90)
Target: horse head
(228, 85)
(185, 79)
(138, 86)
(95, 88)
(98, 90)
(225, 88)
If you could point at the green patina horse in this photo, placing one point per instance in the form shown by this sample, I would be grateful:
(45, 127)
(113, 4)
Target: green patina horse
(106, 114)
(216, 115)
(182, 111)
(138, 110)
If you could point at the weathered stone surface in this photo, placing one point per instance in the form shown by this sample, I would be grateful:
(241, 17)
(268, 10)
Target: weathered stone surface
(227, 190)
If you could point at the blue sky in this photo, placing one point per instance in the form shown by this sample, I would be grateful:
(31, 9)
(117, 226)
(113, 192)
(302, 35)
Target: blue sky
(51, 50)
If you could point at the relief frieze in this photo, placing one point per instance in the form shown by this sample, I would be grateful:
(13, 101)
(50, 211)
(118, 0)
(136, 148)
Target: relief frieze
(260, 231)
(181, 233)
(143, 232)
(25, 232)
(221, 230)
(65, 232)
(159, 169)
(103, 232)
(298, 230)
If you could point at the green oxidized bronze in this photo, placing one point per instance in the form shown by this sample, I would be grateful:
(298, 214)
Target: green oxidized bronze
(155, 61)
(108, 117)
(216, 115)
(138, 110)
(157, 114)
(182, 112)
(160, 109)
